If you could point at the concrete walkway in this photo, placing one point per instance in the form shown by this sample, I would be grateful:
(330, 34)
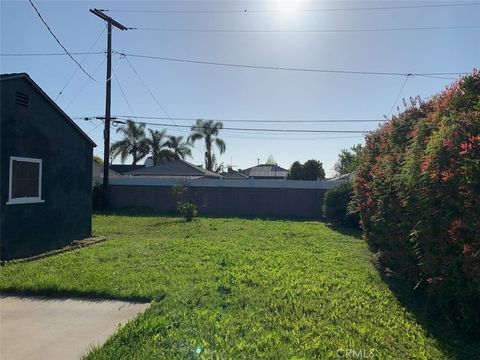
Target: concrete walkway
(44, 328)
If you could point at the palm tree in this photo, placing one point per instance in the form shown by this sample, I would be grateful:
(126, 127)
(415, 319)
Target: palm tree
(208, 130)
(179, 149)
(134, 142)
(158, 146)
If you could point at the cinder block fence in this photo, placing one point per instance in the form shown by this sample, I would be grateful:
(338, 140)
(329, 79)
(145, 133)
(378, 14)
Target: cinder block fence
(222, 197)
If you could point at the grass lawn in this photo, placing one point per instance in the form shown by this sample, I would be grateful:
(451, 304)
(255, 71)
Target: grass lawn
(233, 288)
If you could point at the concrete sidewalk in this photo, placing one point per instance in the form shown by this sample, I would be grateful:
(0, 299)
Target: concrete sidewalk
(44, 328)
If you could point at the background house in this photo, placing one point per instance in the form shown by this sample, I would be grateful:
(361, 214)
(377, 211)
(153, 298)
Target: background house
(175, 169)
(233, 175)
(97, 172)
(266, 171)
(125, 168)
(46, 172)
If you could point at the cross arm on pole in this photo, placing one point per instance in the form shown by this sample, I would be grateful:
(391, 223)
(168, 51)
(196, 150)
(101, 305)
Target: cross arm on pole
(107, 18)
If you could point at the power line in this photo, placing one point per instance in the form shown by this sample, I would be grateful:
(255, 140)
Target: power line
(76, 69)
(263, 130)
(95, 128)
(290, 139)
(307, 31)
(227, 135)
(85, 83)
(58, 41)
(149, 91)
(441, 75)
(398, 96)
(254, 120)
(246, 11)
(123, 93)
(261, 67)
(53, 54)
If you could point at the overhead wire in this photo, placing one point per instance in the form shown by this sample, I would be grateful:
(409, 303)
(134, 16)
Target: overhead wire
(85, 83)
(436, 75)
(123, 93)
(151, 93)
(290, 139)
(398, 96)
(247, 11)
(53, 54)
(81, 62)
(261, 129)
(254, 120)
(281, 68)
(58, 41)
(95, 128)
(96, 69)
(458, 27)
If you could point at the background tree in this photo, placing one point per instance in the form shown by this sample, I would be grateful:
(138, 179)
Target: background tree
(270, 160)
(208, 130)
(313, 170)
(296, 171)
(178, 148)
(98, 159)
(134, 142)
(348, 160)
(158, 146)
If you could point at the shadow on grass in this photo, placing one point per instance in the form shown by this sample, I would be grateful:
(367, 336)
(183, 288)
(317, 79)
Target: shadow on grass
(356, 233)
(137, 212)
(94, 296)
(455, 341)
(150, 212)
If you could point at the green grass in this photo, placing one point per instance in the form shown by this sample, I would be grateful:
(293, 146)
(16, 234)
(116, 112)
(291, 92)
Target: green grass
(233, 288)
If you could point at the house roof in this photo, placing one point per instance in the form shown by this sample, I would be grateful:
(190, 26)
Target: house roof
(174, 169)
(349, 176)
(5, 77)
(266, 170)
(122, 168)
(97, 171)
(234, 175)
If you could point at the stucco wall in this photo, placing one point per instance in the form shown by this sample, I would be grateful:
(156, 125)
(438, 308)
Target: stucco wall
(42, 132)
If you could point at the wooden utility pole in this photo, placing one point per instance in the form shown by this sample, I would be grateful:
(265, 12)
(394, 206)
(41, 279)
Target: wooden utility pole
(108, 99)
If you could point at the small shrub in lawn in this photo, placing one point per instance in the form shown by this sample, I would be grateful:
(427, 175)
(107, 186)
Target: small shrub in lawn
(188, 210)
(336, 207)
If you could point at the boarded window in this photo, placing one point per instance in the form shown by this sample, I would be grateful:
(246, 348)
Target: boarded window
(25, 180)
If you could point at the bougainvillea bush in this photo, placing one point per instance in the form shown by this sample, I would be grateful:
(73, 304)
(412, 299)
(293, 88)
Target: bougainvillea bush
(418, 194)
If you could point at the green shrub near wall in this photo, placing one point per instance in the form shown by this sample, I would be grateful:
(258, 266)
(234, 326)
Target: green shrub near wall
(97, 196)
(418, 192)
(336, 207)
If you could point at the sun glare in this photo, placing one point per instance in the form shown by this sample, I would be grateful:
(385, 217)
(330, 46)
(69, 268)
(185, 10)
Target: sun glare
(288, 6)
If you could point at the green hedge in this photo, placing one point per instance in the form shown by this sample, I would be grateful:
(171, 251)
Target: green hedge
(418, 194)
(336, 207)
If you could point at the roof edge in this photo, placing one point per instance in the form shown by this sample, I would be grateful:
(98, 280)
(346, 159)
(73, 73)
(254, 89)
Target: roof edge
(4, 77)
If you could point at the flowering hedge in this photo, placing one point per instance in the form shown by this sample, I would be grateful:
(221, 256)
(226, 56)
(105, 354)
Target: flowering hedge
(418, 195)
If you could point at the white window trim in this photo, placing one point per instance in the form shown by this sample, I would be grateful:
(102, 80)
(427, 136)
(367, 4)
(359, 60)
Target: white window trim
(25, 200)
